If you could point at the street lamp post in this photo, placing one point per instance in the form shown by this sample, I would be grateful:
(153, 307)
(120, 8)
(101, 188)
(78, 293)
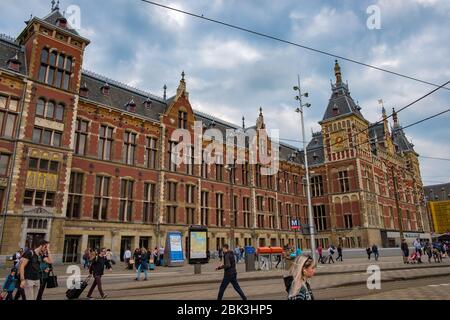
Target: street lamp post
(308, 189)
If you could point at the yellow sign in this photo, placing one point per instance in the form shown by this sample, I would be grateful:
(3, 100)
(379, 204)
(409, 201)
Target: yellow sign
(42, 180)
(440, 212)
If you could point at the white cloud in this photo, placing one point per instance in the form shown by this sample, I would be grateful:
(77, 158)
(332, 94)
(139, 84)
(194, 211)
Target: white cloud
(227, 54)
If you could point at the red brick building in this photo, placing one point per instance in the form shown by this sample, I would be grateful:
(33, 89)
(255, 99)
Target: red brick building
(85, 162)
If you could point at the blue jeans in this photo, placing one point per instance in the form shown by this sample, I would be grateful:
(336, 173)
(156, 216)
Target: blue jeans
(142, 267)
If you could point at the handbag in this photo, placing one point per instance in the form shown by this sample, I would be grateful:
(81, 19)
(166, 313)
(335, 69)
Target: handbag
(52, 281)
(131, 261)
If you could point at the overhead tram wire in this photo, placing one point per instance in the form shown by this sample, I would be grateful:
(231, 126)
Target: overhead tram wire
(229, 25)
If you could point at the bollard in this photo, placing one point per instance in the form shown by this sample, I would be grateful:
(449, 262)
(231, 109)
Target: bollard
(197, 268)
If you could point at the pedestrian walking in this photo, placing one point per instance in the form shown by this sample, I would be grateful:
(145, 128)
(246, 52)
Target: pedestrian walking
(220, 254)
(127, 257)
(339, 250)
(230, 274)
(330, 254)
(86, 258)
(279, 258)
(98, 265)
(143, 264)
(10, 284)
(16, 258)
(369, 252)
(297, 282)
(320, 252)
(375, 252)
(428, 250)
(29, 270)
(109, 257)
(46, 261)
(405, 250)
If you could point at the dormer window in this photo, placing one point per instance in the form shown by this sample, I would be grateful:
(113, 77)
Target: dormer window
(148, 103)
(131, 106)
(14, 63)
(105, 89)
(335, 110)
(315, 157)
(84, 90)
(62, 23)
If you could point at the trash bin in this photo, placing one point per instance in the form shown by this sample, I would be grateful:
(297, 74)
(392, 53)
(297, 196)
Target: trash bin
(249, 259)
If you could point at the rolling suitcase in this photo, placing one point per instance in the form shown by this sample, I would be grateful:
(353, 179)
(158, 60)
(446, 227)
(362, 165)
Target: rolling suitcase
(75, 293)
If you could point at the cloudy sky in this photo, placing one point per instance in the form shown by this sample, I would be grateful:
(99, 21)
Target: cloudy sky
(231, 74)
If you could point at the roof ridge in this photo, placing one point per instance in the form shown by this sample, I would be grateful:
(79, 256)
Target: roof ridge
(121, 85)
(8, 38)
(206, 115)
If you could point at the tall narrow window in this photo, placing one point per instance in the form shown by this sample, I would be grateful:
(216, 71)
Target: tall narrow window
(348, 221)
(4, 164)
(126, 200)
(316, 186)
(235, 211)
(286, 182)
(245, 173)
(172, 156)
(204, 166)
(219, 168)
(105, 142)
(129, 147)
(75, 194)
(149, 203)
(182, 120)
(151, 151)
(343, 181)
(220, 218)
(246, 211)
(8, 116)
(190, 204)
(258, 175)
(204, 214)
(190, 161)
(296, 185)
(81, 132)
(320, 219)
(101, 199)
(55, 69)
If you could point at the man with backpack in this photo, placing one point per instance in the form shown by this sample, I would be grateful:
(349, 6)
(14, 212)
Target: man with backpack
(330, 254)
(30, 270)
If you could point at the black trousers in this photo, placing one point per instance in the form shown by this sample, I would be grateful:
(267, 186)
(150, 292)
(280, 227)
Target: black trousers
(20, 293)
(227, 279)
(44, 282)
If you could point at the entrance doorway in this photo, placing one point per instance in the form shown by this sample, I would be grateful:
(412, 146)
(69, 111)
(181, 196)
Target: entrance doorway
(125, 243)
(33, 239)
(94, 242)
(71, 245)
(145, 242)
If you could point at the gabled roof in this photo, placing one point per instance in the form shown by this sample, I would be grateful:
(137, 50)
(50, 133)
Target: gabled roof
(8, 49)
(315, 150)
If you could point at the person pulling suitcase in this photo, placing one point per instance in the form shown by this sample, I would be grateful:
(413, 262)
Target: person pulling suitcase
(98, 265)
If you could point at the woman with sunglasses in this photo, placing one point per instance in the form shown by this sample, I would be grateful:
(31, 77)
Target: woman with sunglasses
(296, 282)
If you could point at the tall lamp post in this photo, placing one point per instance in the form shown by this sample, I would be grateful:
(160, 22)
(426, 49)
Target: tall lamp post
(308, 189)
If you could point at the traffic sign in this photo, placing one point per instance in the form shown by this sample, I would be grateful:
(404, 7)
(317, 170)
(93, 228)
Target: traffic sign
(295, 223)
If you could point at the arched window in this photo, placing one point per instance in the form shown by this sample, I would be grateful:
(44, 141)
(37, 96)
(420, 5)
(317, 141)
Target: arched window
(40, 224)
(45, 224)
(35, 224)
(44, 65)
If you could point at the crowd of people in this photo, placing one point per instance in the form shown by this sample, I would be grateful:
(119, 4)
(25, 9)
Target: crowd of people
(330, 252)
(30, 275)
(425, 249)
